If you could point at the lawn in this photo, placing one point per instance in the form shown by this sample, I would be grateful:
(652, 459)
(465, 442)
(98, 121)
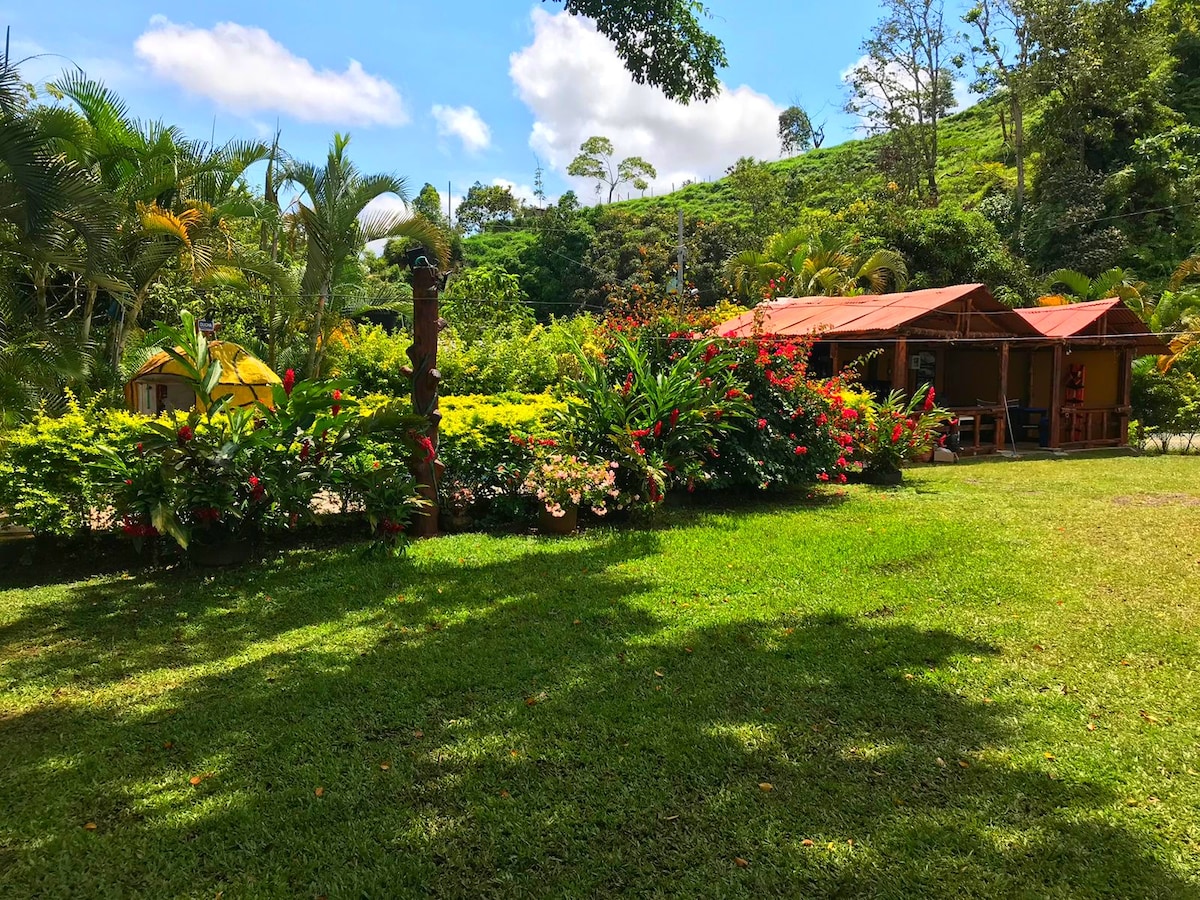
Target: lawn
(982, 684)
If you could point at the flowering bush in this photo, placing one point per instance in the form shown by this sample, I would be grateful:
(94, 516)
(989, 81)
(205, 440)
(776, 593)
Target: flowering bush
(563, 480)
(220, 475)
(894, 430)
(801, 430)
(661, 419)
(387, 494)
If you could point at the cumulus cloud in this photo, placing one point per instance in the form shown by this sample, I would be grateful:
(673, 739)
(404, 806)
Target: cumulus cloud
(572, 80)
(464, 123)
(247, 71)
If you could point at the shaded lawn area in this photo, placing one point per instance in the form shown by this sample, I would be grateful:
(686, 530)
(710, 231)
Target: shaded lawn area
(982, 684)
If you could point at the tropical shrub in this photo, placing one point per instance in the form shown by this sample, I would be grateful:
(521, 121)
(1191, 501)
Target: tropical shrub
(487, 445)
(660, 419)
(1165, 404)
(895, 430)
(51, 477)
(512, 356)
(800, 430)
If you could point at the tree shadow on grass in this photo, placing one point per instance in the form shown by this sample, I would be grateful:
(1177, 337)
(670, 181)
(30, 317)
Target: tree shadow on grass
(534, 729)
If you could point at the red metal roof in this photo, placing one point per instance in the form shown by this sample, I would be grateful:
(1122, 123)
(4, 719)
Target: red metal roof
(1094, 319)
(870, 314)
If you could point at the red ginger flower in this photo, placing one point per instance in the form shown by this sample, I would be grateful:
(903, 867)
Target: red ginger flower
(337, 395)
(897, 433)
(800, 451)
(762, 423)
(674, 417)
(186, 434)
(289, 381)
(658, 429)
(929, 400)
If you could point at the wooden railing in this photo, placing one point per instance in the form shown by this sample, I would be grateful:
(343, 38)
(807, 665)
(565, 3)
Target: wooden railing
(980, 429)
(1103, 427)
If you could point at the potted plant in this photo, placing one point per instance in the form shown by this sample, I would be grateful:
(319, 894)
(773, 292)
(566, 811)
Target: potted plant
(563, 482)
(896, 430)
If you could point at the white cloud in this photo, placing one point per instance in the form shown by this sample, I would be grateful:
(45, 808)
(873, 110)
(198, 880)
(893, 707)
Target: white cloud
(247, 71)
(576, 86)
(464, 123)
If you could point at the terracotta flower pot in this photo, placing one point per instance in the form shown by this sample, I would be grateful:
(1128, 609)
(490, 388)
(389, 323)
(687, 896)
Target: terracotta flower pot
(564, 524)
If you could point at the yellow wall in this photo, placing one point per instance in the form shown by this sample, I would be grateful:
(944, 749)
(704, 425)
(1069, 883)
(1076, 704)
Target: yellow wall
(1101, 380)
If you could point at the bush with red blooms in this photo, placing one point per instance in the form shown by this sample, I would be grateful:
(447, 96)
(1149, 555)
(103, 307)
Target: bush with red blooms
(223, 474)
(659, 410)
(894, 430)
(802, 430)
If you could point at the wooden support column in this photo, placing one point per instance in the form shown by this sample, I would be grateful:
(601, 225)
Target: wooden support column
(1002, 423)
(835, 358)
(1125, 393)
(1056, 397)
(900, 365)
(423, 353)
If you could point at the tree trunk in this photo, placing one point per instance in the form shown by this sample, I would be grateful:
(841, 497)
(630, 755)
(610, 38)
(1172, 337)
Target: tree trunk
(128, 321)
(310, 368)
(89, 309)
(1018, 140)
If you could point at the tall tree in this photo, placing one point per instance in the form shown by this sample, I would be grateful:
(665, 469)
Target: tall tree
(661, 42)
(597, 162)
(485, 206)
(797, 132)
(1003, 47)
(333, 213)
(904, 87)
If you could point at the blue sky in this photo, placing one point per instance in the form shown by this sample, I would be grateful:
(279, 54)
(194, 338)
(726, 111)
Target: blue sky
(455, 92)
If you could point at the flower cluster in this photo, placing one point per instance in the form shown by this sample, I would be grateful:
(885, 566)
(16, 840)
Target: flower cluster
(562, 480)
(894, 430)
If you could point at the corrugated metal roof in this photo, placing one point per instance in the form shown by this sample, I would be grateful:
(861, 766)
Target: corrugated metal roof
(1094, 319)
(870, 314)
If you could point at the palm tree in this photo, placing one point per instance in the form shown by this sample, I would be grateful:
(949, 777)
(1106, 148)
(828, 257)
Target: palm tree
(1177, 312)
(1078, 288)
(332, 211)
(175, 199)
(810, 264)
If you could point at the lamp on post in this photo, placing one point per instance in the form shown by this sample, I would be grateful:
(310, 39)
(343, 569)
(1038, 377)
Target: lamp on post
(427, 280)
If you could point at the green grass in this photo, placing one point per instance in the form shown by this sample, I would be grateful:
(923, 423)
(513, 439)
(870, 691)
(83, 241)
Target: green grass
(916, 673)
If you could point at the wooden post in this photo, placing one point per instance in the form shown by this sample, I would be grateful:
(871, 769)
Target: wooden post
(1125, 392)
(425, 378)
(1002, 423)
(835, 358)
(900, 365)
(1056, 397)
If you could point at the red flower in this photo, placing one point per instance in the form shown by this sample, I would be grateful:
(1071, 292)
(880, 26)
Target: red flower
(337, 395)
(628, 385)
(710, 351)
(897, 432)
(929, 400)
(140, 448)
(762, 423)
(304, 450)
(289, 381)
(732, 394)
(842, 477)
(823, 476)
(640, 432)
(800, 451)
(186, 434)
(822, 419)
(674, 417)
(426, 444)
(842, 462)
(658, 429)
(257, 491)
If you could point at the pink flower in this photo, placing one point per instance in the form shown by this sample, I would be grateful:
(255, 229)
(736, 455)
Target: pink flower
(289, 381)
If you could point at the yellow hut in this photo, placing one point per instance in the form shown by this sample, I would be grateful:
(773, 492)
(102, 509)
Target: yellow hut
(160, 385)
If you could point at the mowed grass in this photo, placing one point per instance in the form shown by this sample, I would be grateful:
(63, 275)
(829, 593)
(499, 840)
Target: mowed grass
(982, 684)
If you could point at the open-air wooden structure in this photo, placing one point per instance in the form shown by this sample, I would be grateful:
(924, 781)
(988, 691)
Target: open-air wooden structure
(1055, 377)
